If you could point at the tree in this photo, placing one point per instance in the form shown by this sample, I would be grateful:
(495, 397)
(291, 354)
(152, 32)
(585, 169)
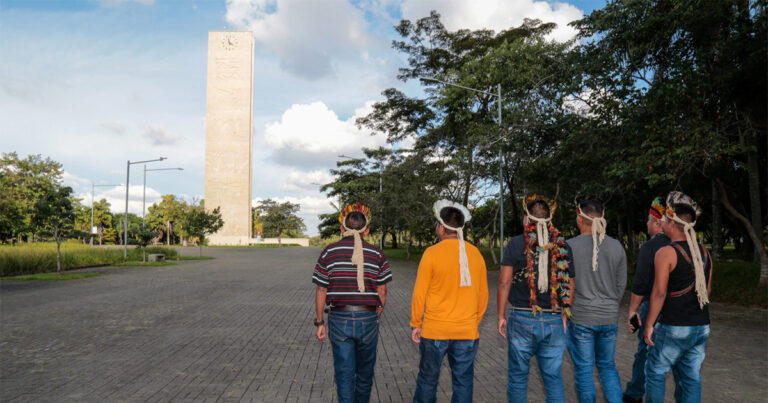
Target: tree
(24, 183)
(166, 215)
(200, 223)
(280, 219)
(55, 214)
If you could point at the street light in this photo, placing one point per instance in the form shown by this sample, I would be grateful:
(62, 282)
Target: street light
(144, 190)
(381, 174)
(128, 186)
(501, 181)
(92, 192)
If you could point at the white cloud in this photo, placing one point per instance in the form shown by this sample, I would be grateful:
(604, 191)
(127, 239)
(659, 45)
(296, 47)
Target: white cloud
(313, 135)
(495, 14)
(160, 135)
(309, 37)
(73, 181)
(304, 182)
(114, 128)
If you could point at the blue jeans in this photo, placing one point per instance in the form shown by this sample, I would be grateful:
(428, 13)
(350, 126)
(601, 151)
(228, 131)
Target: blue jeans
(354, 336)
(461, 358)
(542, 336)
(680, 349)
(636, 385)
(591, 346)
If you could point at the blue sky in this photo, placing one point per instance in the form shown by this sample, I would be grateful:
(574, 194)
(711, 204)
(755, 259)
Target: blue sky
(93, 83)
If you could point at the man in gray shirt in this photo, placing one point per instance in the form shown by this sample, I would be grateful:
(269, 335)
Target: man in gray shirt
(600, 265)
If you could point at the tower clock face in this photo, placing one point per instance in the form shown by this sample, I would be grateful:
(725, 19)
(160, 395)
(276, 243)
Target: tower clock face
(229, 42)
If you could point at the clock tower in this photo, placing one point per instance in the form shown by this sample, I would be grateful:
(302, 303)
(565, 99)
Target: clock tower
(228, 137)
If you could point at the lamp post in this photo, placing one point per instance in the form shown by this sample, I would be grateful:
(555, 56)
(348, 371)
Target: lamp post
(144, 189)
(501, 179)
(128, 186)
(381, 174)
(92, 192)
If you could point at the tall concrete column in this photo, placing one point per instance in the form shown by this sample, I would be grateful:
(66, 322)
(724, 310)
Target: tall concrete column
(228, 137)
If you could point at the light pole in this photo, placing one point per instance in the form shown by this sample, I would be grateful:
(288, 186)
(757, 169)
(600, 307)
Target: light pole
(92, 192)
(501, 179)
(381, 174)
(144, 189)
(128, 186)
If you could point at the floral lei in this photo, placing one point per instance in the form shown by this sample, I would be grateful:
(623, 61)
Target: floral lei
(559, 279)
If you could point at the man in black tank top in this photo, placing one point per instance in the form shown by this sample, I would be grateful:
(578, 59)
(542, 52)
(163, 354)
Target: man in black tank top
(681, 296)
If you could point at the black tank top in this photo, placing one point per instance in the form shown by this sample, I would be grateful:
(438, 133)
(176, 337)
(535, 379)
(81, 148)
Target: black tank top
(681, 308)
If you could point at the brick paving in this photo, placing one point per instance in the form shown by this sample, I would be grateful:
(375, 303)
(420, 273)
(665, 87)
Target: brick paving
(238, 328)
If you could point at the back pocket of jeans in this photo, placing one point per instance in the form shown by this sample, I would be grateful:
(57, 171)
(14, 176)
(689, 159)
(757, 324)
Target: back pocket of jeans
(371, 332)
(557, 335)
(521, 334)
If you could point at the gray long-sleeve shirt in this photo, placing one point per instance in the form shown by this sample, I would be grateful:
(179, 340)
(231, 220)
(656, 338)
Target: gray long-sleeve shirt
(598, 293)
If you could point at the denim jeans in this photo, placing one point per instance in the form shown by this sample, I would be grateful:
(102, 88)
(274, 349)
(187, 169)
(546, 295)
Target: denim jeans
(682, 350)
(591, 346)
(636, 385)
(461, 358)
(541, 336)
(354, 336)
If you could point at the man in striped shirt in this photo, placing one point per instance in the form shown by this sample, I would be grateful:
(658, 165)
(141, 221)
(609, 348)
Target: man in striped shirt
(351, 277)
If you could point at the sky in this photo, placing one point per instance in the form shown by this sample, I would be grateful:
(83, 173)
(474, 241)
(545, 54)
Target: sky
(95, 83)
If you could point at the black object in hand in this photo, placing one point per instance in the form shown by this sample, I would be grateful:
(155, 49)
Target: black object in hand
(635, 322)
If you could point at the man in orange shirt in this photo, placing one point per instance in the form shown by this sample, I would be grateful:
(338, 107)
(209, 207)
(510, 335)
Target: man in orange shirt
(449, 299)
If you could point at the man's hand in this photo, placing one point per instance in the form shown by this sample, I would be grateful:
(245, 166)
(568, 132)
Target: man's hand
(502, 324)
(565, 323)
(321, 334)
(379, 310)
(648, 335)
(629, 321)
(416, 335)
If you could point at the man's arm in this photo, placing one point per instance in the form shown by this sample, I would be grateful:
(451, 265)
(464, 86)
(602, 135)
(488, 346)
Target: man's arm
(482, 300)
(419, 298)
(320, 293)
(502, 293)
(665, 261)
(382, 291)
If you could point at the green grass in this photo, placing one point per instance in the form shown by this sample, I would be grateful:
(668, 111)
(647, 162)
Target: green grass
(736, 283)
(40, 257)
(51, 276)
(139, 263)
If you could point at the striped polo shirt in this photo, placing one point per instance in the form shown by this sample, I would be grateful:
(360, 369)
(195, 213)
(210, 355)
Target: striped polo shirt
(336, 272)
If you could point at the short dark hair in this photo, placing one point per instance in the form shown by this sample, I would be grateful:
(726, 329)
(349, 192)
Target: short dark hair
(685, 212)
(355, 220)
(592, 207)
(538, 208)
(452, 217)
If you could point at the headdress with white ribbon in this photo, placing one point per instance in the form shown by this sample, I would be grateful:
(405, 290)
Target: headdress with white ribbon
(357, 252)
(542, 237)
(674, 198)
(598, 232)
(466, 279)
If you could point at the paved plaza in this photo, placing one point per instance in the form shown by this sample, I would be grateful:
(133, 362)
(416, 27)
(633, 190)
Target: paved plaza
(239, 328)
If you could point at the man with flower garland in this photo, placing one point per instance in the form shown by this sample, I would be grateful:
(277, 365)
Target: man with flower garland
(351, 277)
(536, 280)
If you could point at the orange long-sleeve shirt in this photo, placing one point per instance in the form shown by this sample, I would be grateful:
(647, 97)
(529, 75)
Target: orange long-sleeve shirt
(439, 306)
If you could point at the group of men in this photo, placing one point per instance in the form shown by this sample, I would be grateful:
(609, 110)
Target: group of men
(562, 293)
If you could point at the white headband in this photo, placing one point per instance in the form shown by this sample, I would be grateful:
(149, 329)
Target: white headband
(466, 279)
